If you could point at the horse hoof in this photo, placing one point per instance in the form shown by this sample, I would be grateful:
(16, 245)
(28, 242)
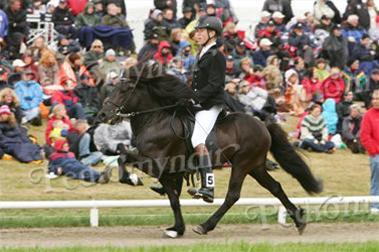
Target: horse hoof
(171, 234)
(199, 230)
(301, 228)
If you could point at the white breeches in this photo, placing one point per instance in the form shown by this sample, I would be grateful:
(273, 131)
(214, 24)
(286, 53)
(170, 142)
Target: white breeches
(204, 122)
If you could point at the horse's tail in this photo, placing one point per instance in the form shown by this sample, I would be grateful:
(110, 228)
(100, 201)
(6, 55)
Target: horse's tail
(290, 161)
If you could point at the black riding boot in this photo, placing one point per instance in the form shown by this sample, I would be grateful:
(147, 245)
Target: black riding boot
(207, 179)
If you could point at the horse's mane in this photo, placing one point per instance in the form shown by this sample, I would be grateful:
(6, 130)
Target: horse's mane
(164, 88)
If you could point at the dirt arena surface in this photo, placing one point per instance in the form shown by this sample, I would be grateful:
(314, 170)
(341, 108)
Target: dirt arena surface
(152, 236)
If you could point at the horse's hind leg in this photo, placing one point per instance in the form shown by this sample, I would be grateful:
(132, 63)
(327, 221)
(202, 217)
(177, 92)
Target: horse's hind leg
(268, 182)
(234, 191)
(172, 185)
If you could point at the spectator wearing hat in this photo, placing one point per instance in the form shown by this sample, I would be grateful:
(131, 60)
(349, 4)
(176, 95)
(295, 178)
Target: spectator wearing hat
(14, 140)
(364, 54)
(240, 51)
(260, 56)
(16, 75)
(186, 56)
(353, 32)
(18, 28)
(109, 64)
(359, 9)
(93, 56)
(295, 94)
(263, 22)
(88, 17)
(232, 71)
(326, 8)
(63, 19)
(334, 86)
(278, 19)
(370, 140)
(63, 162)
(357, 81)
(154, 25)
(31, 96)
(9, 97)
(335, 48)
(323, 29)
(150, 48)
(164, 53)
(299, 40)
(284, 6)
(110, 84)
(271, 33)
(225, 11)
(188, 17)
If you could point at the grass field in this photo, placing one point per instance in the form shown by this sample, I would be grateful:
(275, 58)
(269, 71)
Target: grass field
(343, 174)
(238, 247)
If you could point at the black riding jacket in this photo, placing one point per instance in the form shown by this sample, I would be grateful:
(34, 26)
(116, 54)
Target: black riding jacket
(209, 78)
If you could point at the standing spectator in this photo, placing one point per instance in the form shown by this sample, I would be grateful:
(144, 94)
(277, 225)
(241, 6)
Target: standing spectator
(88, 17)
(14, 140)
(335, 48)
(284, 6)
(351, 126)
(359, 8)
(64, 20)
(334, 86)
(313, 133)
(18, 28)
(328, 9)
(8, 97)
(370, 140)
(30, 95)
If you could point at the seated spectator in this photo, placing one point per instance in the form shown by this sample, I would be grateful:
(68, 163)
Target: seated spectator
(353, 32)
(283, 6)
(82, 145)
(320, 70)
(111, 81)
(176, 40)
(231, 71)
(263, 22)
(311, 84)
(260, 56)
(66, 46)
(8, 97)
(187, 17)
(154, 25)
(48, 71)
(150, 48)
(302, 42)
(38, 48)
(63, 162)
(99, 8)
(333, 86)
(16, 75)
(271, 33)
(164, 53)
(164, 4)
(108, 137)
(295, 95)
(271, 73)
(177, 69)
(93, 56)
(14, 140)
(240, 52)
(31, 96)
(278, 19)
(68, 98)
(64, 20)
(326, 8)
(169, 20)
(358, 80)
(186, 56)
(88, 17)
(343, 109)
(335, 48)
(60, 119)
(71, 69)
(359, 9)
(373, 85)
(247, 70)
(30, 65)
(330, 116)
(88, 95)
(351, 126)
(114, 18)
(313, 133)
(109, 64)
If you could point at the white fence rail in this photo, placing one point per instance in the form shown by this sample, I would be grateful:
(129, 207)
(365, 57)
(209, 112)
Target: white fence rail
(94, 205)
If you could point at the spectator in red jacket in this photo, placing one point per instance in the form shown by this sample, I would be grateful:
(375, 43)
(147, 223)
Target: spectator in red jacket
(370, 140)
(333, 86)
(310, 84)
(59, 113)
(164, 54)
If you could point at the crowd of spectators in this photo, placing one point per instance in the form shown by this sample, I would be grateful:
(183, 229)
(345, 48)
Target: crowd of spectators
(321, 66)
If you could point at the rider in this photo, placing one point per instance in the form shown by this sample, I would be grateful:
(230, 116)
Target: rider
(208, 86)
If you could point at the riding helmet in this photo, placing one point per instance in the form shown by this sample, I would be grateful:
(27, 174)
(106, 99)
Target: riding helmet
(211, 23)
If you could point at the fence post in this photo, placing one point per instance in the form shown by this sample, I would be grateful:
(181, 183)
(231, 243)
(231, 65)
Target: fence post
(94, 217)
(282, 215)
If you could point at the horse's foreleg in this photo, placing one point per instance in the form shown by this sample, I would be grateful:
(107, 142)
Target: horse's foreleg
(172, 184)
(232, 196)
(268, 182)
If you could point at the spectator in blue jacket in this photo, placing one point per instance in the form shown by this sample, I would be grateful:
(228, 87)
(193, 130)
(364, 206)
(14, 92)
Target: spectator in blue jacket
(3, 24)
(353, 32)
(31, 96)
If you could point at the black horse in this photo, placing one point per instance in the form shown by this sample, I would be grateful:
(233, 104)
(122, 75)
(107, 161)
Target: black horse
(148, 96)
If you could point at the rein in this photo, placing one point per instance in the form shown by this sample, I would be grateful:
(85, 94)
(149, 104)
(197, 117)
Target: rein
(133, 114)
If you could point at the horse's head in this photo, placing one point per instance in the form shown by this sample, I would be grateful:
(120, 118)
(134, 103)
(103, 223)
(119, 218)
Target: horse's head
(130, 94)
